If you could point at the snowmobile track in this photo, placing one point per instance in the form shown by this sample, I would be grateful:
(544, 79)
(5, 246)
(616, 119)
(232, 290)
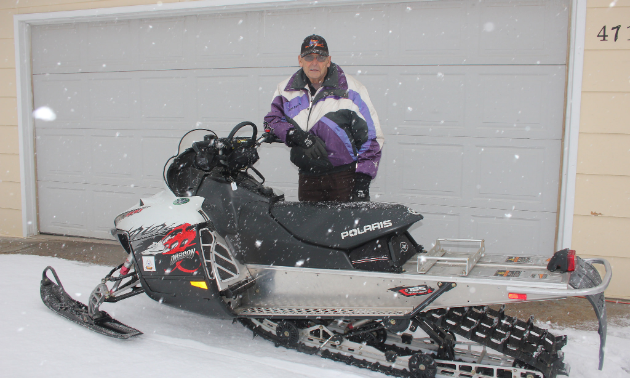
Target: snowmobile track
(536, 353)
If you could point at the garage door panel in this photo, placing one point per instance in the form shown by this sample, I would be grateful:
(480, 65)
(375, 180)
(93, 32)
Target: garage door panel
(420, 161)
(69, 151)
(520, 173)
(164, 97)
(85, 210)
(513, 233)
(433, 29)
(378, 186)
(227, 98)
(510, 99)
(162, 39)
(520, 232)
(64, 96)
(223, 36)
(485, 173)
(517, 29)
(56, 48)
(274, 164)
(516, 233)
(289, 26)
(432, 102)
(111, 42)
(524, 103)
(111, 97)
(439, 222)
(155, 152)
(109, 202)
(113, 159)
(66, 207)
(507, 28)
(496, 101)
(512, 176)
(361, 32)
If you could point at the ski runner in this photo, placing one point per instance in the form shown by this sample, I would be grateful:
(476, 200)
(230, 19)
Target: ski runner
(328, 120)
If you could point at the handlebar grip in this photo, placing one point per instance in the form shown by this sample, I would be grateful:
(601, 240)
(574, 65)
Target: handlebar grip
(270, 137)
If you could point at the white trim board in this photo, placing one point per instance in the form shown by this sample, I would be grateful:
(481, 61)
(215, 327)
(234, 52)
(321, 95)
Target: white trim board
(572, 124)
(23, 23)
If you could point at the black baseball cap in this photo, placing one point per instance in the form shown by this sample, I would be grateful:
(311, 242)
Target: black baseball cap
(314, 44)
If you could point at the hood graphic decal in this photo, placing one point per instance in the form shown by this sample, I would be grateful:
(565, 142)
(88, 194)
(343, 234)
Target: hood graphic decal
(179, 243)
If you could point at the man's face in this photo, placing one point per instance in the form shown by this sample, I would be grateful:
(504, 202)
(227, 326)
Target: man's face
(314, 70)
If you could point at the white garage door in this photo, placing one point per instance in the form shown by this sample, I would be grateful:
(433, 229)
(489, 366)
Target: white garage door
(470, 96)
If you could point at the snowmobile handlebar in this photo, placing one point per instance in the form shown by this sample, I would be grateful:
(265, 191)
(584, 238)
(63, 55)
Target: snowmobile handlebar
(240, 126)
(222, 145)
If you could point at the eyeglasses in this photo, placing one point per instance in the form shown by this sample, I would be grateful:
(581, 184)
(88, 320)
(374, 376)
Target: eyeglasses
(309, 58)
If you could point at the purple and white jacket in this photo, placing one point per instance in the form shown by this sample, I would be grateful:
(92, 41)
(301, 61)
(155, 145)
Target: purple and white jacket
(340, 113)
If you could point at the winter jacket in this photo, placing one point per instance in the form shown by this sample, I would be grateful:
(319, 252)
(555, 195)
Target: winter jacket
(340, 113)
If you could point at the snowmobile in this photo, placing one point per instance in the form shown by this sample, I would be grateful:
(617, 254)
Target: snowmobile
(345, 281)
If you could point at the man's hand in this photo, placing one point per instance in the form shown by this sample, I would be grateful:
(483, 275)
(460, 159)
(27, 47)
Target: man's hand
(314, 147)
(361, 191)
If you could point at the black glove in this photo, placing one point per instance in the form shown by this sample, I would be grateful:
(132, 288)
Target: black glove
(312, 146)
(361, 191)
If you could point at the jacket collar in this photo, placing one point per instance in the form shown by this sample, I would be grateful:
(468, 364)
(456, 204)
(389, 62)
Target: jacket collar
(335, 79)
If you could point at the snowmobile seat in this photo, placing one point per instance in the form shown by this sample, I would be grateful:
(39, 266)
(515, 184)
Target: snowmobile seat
(342, 225)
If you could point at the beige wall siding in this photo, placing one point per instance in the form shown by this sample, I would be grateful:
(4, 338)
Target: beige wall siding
(7, 173)
(10, 192)
(604, 154)
(8, 111)
(600, 112)
(7, 53)
(10, 204)
(606, 3)
(602, 236)
(602, 200)
(42, 6)
(10, 222)
(8, 140)
(11, 198)
(7, 78)
(600, 196)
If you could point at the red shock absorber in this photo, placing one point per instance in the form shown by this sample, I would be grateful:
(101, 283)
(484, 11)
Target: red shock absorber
(123, 271)
(127, 265)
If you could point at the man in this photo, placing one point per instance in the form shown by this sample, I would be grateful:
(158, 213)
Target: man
(328, 120)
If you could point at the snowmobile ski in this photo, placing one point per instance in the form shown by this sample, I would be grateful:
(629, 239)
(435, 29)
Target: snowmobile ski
(57, 299)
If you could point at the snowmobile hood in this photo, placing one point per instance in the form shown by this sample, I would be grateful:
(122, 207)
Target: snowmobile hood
(164, 211)
(342, 225)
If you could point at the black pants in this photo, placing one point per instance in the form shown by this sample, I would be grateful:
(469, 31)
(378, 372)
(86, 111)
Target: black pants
(331, 187)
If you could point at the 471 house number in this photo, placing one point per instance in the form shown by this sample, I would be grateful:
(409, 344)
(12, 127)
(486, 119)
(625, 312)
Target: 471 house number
(604, 37)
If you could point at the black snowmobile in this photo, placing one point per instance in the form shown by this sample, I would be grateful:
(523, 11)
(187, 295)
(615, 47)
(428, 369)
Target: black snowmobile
(342, 280)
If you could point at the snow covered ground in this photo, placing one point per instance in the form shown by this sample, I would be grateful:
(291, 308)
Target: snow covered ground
(38, 343)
